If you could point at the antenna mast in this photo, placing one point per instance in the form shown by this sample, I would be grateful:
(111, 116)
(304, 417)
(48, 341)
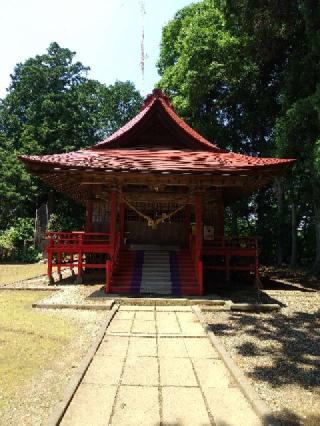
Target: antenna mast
(142, 58)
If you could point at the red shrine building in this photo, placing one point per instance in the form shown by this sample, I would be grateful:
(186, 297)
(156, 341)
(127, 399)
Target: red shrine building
(155, 193)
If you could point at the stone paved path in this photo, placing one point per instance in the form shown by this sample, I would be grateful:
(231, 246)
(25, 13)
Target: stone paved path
(156, 366)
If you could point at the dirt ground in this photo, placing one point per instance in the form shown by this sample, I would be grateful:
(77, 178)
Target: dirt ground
(13, 272)
(39, 351)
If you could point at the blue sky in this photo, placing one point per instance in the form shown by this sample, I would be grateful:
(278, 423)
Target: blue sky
(106, 35)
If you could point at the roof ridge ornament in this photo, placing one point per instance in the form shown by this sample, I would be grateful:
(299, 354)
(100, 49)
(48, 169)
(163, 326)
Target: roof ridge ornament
(156, 94)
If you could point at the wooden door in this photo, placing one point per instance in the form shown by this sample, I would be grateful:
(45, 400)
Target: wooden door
(170, 232)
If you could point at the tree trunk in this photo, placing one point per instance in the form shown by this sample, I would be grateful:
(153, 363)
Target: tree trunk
(293, 261)
(316, 264)
(278, 188)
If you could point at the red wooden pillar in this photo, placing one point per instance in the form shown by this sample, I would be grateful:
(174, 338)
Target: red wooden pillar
(187, 220)
(113, 218)
(199, 241)
(79, 278)
(89, 211)
(113, 236)
(122, 222)
(50, 256)
(59, 262)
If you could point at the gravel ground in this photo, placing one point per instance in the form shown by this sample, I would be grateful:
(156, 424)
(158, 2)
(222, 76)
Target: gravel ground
(69, 293)
(77, 294)
(37, 399)
(279, 352)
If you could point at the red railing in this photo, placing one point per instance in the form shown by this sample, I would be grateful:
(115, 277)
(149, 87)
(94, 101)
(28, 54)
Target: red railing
(231, 254)
(78, 237)
(79, 249)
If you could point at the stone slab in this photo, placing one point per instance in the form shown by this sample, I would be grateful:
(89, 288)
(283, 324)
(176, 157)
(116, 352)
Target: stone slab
(212, 373)
(169, 326)
(184, 407)
(145, 327)
(104, 370)
(120, 326)
(171, 348)
(229, 407)
(187, 317)
(136, 406)
(145, 315)
(192, 329)
(176, 372)
(140, 307)
(200, 348)
(162, 308)
(166, 316)
(113, 346)
(125, 315)
(79, 412)
(142, 346)
(141, 371)
(259, 407)
(167, 335)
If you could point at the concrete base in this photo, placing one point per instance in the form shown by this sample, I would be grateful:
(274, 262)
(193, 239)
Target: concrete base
(168, 301)
(105, 307)
(50, 281)
(79, 279)
(255, 307)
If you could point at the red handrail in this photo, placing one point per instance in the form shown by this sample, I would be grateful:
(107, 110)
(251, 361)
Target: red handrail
(77, 237)
(71, 249)
(233, 248)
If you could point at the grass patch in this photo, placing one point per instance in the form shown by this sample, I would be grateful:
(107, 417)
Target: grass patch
(13, 272)
(30, 340)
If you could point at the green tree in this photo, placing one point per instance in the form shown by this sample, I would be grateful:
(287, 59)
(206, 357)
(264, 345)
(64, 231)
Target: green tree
(51, 106)
(298, 126)
(245, 73)
(120, 102)
(220, 82)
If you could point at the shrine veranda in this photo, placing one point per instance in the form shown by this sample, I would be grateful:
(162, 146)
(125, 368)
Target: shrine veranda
(155, 194)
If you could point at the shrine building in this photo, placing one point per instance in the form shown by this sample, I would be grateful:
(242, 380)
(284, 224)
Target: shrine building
(155, 193)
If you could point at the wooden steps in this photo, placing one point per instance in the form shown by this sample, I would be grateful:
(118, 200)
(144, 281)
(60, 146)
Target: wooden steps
(155, 270)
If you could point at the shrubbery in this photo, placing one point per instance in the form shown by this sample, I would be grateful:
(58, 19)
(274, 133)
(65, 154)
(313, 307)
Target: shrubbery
(17, 242)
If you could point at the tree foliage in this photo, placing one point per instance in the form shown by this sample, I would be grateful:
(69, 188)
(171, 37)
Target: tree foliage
(246, 74)
(52, 106)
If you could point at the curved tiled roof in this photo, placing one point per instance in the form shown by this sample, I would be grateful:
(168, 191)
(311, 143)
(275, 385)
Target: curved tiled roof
(157, 102)
(155, 141)
(156, 160)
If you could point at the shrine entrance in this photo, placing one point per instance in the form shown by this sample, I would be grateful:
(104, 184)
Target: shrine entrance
(163, 230)
(155, 181)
